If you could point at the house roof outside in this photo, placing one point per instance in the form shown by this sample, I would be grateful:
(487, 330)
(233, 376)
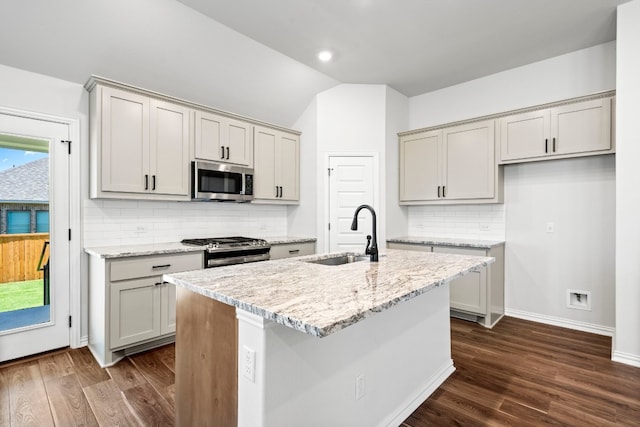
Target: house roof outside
(28, 183)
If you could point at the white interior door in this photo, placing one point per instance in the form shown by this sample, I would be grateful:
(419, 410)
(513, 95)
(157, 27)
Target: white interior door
(351, 184)
(52, 331)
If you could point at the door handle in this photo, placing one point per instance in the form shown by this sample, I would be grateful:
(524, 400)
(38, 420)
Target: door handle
(276, 191)
(546, 145)
(438, 191)
(227, 153)
(554, 144)
(280, 191)
(146, 182)
(222, 152)
(444, 193)
(153, 180)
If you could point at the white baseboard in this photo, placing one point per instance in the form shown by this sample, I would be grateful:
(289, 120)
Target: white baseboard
(412, 404)
(626, 358)
(563, 323)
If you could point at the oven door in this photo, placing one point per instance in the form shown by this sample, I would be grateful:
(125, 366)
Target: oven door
(218, 181)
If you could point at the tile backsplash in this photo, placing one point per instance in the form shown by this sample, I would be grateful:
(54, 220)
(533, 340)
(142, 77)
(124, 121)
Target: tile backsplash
(124, 222)
(457, 221)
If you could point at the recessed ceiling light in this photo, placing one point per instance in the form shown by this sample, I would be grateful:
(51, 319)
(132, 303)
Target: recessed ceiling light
(325, 56)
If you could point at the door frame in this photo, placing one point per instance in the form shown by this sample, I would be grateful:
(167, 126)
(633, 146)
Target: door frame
(326, 196)
(75, 244)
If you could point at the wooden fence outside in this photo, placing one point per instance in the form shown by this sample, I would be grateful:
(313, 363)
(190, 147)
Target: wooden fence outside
(19, 256)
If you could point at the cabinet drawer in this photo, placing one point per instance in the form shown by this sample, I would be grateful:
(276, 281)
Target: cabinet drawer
(132, 268)
(291, 250)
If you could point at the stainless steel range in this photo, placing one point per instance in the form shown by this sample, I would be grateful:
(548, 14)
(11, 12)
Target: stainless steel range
(219, 251)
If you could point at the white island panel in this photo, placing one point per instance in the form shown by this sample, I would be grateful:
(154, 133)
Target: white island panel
(402, 355)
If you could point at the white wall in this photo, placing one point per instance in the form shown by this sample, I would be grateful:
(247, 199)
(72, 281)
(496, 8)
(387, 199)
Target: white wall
(578, 197)
(576, 74)
(351, 119)
(626, 346)
(303, 218)
(397, 120)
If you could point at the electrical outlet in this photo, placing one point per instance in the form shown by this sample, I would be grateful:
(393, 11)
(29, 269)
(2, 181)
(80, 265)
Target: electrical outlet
(249, 363)
(484, 227)
(360, 387)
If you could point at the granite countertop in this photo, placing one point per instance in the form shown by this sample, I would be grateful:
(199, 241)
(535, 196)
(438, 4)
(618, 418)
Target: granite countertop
(283, 240)
(319, 299)
(447, 241)
(123, 251)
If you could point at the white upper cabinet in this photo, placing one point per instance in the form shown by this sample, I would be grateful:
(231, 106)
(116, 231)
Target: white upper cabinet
(450, 165)
(570, 130)
(470, 168)
(277, 166)
(420, 166)
(139, 146)
(223, 139)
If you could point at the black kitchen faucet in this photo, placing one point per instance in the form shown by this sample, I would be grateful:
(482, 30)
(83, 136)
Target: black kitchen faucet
(372, 247)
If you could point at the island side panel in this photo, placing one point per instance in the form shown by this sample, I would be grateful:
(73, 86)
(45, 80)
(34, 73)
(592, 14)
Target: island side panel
(402, 355)
(206, 361)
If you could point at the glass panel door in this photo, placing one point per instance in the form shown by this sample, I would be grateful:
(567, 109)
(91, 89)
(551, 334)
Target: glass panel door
(34, 248)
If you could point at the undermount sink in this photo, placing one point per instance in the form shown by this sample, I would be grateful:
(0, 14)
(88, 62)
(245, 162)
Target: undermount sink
(340, 260)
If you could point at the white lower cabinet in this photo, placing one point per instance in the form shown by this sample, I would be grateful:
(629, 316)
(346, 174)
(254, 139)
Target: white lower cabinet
(478, 295)
(130, 307)
(288, 250)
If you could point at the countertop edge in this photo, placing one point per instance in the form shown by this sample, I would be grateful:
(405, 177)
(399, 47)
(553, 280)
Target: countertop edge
(447, 241)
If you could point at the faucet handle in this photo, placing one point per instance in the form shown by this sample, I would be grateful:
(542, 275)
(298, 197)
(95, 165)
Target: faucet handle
(367, 250)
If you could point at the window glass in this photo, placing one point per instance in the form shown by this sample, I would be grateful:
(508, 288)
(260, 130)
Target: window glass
(42, 221)
(18, 222)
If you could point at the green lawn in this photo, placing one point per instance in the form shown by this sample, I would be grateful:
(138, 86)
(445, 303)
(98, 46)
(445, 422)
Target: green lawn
(17, 295)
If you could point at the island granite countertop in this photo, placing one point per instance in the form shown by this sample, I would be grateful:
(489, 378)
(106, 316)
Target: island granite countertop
(320, 300)
(447, 241)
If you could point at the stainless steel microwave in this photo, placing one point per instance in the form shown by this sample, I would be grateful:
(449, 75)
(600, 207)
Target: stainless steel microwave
(220, 181)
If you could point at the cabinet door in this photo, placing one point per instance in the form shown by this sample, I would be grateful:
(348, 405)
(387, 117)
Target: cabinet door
(469, 161)
(238, 142)
(208, 137)
(168, 309)
(468, 293)
(420, 173)
(124, 141)
(525, 135)
(581, 127)
(287, 166)
(264, 179)
(169, 149)
(222, 139)
(134, 311)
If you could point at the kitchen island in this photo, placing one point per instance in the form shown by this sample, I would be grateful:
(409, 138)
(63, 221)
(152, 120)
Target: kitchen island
(292, 342)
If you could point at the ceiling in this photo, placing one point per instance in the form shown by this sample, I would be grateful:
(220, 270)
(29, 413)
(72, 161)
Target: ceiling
(258, 57)
(417, 46)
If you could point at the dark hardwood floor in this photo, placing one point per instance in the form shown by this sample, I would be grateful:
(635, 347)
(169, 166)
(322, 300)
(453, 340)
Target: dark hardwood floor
(520, 373)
